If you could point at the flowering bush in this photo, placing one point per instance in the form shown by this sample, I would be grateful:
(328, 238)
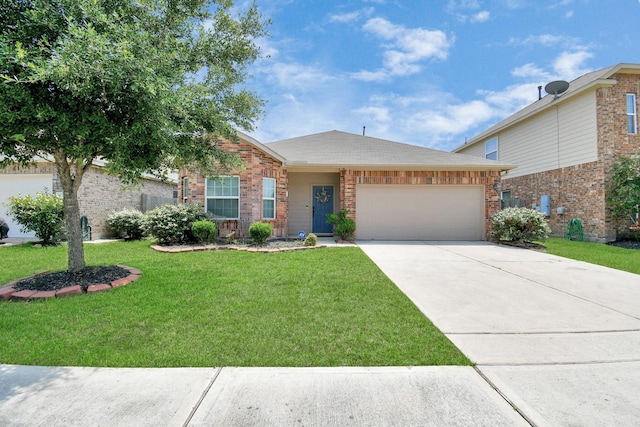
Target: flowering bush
(204, 231)
(519, 225)
(128, 224)
(260, 232)
(42, 214)
(171, 224)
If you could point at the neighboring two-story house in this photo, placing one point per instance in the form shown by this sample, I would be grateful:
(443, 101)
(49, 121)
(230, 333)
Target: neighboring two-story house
(564, 145)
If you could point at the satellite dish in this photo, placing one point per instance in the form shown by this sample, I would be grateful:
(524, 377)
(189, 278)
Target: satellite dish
(557, 87)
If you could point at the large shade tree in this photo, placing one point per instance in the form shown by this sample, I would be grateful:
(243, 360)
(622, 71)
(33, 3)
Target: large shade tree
(144, 85)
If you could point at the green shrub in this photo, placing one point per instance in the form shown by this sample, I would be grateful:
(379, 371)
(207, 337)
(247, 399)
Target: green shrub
(260, 232)
(311, 240)
(43, 214)
(127, 224)
(519, 225)
(204, 231)
(342, 226)
(171, 224)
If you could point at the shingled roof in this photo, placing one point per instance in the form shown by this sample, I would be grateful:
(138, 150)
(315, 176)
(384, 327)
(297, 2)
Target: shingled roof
(346, 150)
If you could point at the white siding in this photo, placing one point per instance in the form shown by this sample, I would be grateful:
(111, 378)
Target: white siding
(478, 150)
(562, 135)
(21, 185)
(301, 198)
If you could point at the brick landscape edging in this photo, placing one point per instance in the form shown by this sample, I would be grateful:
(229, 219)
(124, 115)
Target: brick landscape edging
(8, 293)
(177, 249)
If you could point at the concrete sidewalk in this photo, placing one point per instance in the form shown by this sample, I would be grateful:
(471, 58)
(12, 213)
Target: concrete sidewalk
(560, 339)
(388, 396)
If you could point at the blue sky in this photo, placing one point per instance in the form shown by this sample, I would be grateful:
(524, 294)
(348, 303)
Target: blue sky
(429, 73)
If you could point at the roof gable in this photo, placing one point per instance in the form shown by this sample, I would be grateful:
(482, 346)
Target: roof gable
(267, 150)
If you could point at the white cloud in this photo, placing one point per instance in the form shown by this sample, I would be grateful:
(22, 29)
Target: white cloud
(379, 116)
(465, 11)
(529, 71)
(570, 65)
(349, 17)
(483, 16)
(405, 48)
(542, 39)
(300, 77)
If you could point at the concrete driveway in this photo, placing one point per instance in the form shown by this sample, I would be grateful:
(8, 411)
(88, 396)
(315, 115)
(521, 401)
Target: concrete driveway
(559, 339)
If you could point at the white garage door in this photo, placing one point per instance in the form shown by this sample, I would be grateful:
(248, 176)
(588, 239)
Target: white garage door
(412, 212)
(20, 184)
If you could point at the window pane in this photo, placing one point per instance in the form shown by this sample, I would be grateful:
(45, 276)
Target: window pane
(268, 188)
(631, 104)
(228, 186)
(223, 208)
(492, 156)
(268, 209)
(491, 146)
(631, 124)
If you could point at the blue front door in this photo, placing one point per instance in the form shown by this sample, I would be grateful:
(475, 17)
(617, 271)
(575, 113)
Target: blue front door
(322, 205)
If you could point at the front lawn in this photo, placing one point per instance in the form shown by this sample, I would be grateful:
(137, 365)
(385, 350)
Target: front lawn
(596, 253)
(321, 307)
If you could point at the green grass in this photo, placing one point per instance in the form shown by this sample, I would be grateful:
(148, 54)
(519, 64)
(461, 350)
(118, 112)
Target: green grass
(323, 307)
(596, 253)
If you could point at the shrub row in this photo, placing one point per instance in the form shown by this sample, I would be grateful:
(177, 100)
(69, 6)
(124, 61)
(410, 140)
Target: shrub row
(171, 224)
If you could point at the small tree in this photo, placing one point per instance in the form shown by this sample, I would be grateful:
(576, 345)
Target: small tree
(43, 214)
(623, 189)
(145, 85)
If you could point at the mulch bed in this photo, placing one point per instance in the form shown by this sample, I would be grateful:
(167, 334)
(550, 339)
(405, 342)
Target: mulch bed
(62, 279)
(626, 244)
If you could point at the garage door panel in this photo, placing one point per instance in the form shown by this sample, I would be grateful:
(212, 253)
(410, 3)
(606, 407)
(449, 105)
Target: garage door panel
(405, 212)
(20, 185)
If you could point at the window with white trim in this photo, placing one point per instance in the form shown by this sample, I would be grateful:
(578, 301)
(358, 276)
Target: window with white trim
(632, 114)
(491, 149)
(223, 197)
(268, 198)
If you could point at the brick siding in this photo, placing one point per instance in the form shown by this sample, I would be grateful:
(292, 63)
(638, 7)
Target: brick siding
(579, 189)
(101, 194)
(257, 165)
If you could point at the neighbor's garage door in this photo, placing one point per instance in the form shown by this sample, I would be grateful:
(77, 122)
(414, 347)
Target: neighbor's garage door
(20, 184)
(412, 212)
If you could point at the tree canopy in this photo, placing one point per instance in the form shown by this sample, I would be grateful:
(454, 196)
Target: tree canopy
(141, 84)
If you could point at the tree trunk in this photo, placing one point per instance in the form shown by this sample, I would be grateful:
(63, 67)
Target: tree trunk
(70, 179)
(74, 231)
